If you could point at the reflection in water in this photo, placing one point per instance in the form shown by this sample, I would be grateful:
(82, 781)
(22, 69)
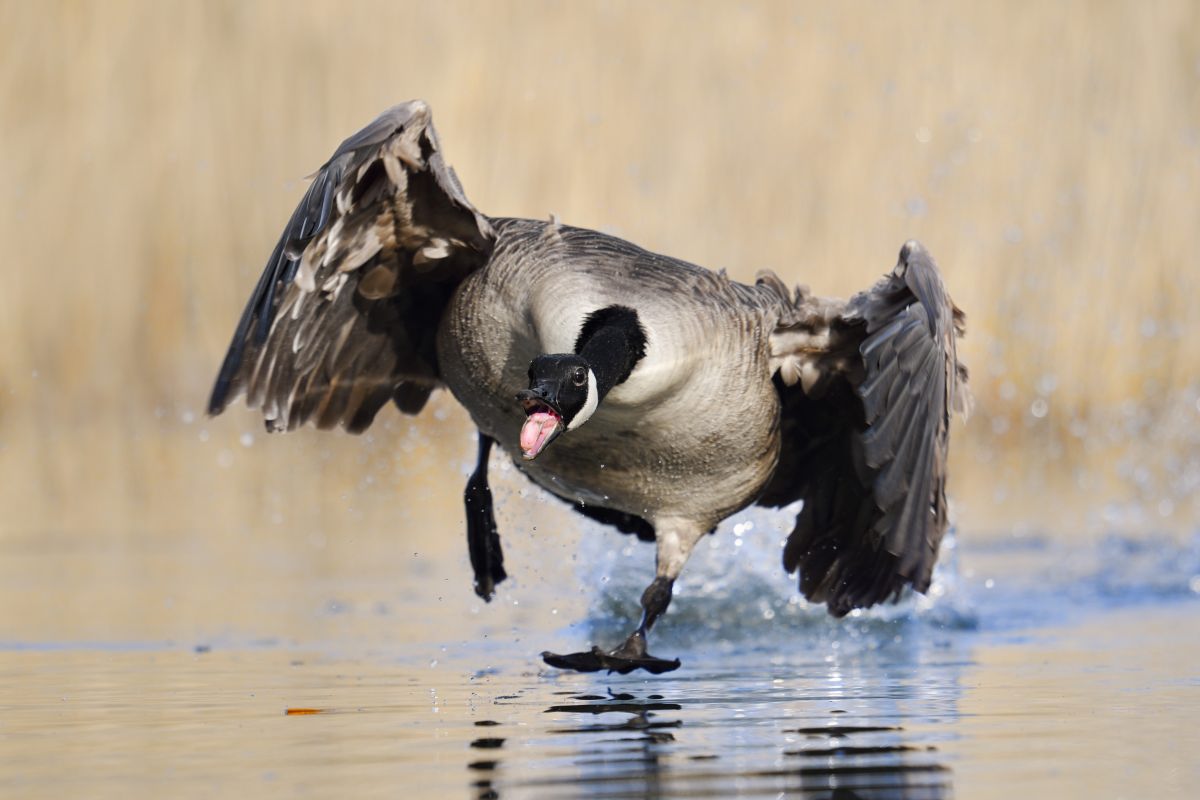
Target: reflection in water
(892, 770)
(488, 743)
(699, 738)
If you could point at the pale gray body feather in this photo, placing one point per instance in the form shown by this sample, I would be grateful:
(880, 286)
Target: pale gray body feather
(671, 440)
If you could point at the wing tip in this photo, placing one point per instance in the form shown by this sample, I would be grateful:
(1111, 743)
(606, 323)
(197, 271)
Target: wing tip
(911, 250)
(220, 397)
(217, 400)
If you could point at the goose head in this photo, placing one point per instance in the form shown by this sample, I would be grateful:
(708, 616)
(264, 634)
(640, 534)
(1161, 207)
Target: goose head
(565, 388)
(562, 395)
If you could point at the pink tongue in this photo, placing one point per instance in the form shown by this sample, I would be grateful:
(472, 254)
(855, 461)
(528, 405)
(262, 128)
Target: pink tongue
(537, 430)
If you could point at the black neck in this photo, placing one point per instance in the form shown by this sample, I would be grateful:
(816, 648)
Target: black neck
(612, 342)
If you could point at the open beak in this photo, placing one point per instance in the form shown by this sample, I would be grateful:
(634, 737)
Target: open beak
(543, 420)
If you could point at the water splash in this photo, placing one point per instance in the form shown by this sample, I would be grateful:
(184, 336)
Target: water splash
(734, 589)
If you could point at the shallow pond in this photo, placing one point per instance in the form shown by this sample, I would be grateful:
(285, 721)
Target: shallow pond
(163, 668)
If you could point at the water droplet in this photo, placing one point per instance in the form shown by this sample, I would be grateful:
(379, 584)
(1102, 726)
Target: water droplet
(1047, 384)
(924, 135)
(989, 583)
(1039, 408)
(247, 439)
(432, 664)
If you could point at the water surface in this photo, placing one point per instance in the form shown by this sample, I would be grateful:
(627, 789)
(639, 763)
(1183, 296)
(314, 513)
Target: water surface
(1034, 670)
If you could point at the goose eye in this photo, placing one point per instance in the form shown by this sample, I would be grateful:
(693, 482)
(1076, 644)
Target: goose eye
(579, 376)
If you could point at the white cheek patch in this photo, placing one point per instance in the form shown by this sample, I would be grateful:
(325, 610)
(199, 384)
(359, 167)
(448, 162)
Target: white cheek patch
(589, 405)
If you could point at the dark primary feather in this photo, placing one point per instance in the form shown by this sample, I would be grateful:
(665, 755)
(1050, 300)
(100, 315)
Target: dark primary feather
(344, 316)
(867, 391)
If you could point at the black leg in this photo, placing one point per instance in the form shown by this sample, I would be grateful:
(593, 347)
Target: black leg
(483, 540)
(675, 539)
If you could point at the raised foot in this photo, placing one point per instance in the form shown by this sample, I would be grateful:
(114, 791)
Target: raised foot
(483, 540)
(596, 659)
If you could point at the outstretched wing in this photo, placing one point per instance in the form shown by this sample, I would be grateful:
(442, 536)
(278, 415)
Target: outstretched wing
(345, 315)
(867, 390)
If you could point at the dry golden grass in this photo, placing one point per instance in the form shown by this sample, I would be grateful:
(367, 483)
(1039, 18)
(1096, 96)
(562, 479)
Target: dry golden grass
(1048, 154)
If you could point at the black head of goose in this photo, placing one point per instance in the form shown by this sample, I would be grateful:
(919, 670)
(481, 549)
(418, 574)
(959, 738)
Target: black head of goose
(651, 394)
(565, 389)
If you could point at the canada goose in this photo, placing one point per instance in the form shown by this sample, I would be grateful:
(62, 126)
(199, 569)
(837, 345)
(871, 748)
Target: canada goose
(651, 394)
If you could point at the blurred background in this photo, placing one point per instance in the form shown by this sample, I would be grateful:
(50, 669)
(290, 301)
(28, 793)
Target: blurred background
(1047, 153)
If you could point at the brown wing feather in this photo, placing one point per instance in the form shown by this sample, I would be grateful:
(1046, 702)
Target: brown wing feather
(345, 314)
(867, 391)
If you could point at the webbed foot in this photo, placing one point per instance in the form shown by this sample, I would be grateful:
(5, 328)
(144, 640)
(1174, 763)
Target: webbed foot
(625, 659)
